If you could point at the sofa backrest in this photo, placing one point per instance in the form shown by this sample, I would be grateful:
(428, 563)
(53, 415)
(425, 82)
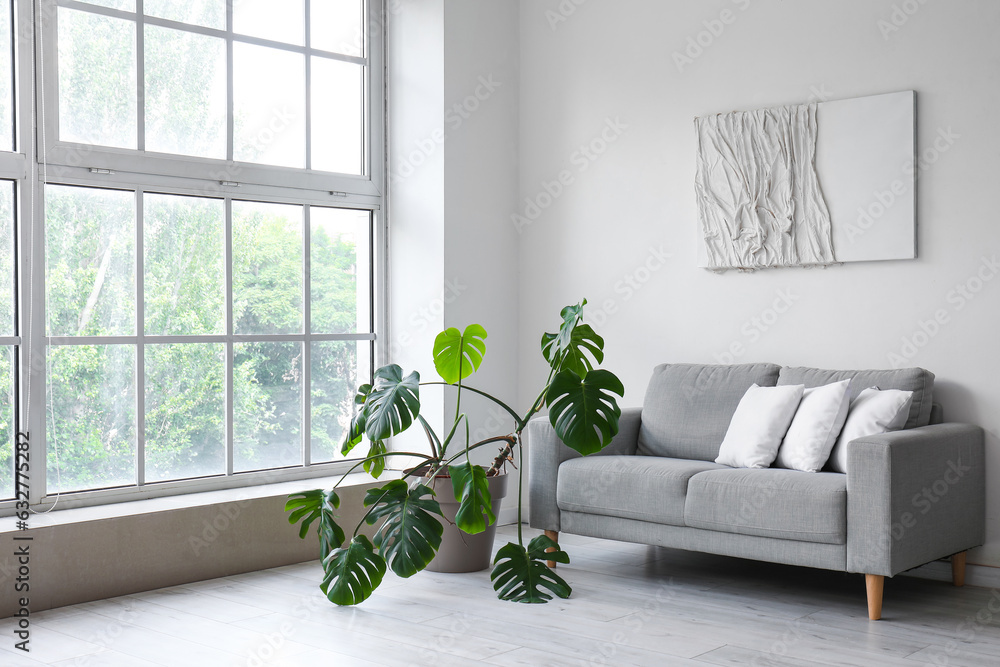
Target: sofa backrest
(688, 407)
(917, 380)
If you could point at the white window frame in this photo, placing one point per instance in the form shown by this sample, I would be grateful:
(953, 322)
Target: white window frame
(65, 163)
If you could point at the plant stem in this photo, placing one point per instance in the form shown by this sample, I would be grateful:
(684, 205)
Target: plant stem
(506, 438)
(378, 456)
(501, 458)
(496, 400)
(520, 485)
(431, 437)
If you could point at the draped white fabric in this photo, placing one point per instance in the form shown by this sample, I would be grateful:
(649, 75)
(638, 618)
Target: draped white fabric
(759, 198)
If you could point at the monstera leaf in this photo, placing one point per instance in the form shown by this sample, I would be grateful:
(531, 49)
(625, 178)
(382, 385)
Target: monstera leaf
(584, 411)
(521, 575)
(309, 506)
(553, 345)
(411, 535)
(392, 404)
(572, 353)
(357, 428)
(457, 355)
(472, 490)
(352, 573)
(374, 464)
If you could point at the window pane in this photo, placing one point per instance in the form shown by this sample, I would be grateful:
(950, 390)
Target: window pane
(340, 270)
(336, 25)
(90, 265)
(267, 408)
(184, 265)
(97, 80)
(337, 108)
(185, 411)
(6, 258)
(185, 93)
(7, 479)
(269, 100)
(262, 18)
(6, 80)
(209, 13)
(90, 422)
(337, 370)
(267, 268)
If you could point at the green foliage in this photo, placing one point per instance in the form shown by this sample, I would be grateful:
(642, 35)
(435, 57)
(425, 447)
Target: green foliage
(356, 431)
(267, 241)
(92, 421)
(583, 411)
(574, 353)
(472, 490)
(374, 463)
(521, 575)
(310, 506)
(393, 403)
(353, 572)
(410, 535)
(457, 355)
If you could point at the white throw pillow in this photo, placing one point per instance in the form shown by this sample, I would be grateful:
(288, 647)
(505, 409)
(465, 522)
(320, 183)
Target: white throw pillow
(758, 426)
(874, 411)
(815, 427)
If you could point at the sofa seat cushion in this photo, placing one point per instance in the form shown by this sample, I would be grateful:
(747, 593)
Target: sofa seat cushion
(688, 407)
(786, 504)
(646, 488)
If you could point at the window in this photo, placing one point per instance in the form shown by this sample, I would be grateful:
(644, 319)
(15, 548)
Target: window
(12, 169)
(205, 235)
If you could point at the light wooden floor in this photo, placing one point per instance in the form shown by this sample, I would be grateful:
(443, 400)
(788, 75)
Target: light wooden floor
(631, 605)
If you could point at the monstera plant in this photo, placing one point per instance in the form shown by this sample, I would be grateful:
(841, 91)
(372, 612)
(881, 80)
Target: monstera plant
(581, 407)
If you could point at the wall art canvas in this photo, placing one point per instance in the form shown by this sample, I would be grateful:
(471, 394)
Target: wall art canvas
(807, 185)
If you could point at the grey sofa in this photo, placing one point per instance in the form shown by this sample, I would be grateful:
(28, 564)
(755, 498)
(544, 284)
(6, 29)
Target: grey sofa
(909, 497)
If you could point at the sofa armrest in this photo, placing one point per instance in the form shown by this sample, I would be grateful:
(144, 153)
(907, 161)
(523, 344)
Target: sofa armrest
(546, 452)
(914, 496)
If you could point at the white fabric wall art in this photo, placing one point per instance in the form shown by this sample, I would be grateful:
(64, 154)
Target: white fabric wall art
(807, 185)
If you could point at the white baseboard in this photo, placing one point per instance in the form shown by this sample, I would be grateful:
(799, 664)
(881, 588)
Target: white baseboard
(975, 575)
(508, 515)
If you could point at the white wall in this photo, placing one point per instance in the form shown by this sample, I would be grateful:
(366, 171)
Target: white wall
(453, 71)
(481, 187)
(586, 65)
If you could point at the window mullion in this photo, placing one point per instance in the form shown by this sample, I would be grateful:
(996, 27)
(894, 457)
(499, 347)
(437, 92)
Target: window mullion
(230, 120)
(140, 348)
(140, 78)
(308, 57)
(230, 408)
(307, 324)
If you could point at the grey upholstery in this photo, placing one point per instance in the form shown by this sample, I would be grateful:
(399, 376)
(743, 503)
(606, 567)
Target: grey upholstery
(937, 414)
(648, 488)
(545, 454)
(917, 380)
(770, 549)
(688, 407)
(787, 504)
(914, 496)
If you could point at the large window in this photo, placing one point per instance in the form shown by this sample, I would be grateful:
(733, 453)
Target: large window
(203, 237)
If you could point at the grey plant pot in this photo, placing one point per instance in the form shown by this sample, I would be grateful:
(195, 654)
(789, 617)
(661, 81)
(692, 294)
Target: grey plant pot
(461, 552)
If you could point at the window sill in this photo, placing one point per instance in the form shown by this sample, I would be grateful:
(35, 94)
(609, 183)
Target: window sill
(59, 517)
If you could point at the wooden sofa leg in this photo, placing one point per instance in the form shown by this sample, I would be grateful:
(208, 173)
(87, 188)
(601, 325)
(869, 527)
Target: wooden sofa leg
(958, 569)
(554, 536)
(874, 584)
